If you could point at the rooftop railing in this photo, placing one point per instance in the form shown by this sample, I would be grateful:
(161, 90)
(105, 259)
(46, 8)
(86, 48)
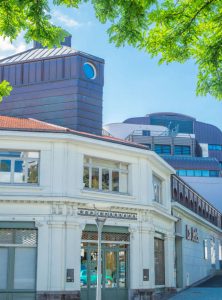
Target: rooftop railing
(166, 133)
(185, 195)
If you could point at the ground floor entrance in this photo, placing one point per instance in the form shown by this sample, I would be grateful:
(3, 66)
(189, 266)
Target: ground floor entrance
(115, 265)
(17, 261)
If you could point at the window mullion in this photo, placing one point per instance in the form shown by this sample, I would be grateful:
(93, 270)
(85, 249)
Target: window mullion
(90, 177)
(12, 170)
(110, 180)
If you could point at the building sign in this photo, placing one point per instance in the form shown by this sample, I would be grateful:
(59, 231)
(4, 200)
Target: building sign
(107, 214)
(192, 234)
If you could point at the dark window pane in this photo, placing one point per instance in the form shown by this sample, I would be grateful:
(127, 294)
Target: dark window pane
(5, 165)
(182, 150)
(162, 149)
(115, 181)
(86, 177)
(105, 179)
(95, 178)
(159, 261)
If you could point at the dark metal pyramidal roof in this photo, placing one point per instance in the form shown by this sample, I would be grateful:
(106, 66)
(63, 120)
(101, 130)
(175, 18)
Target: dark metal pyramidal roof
(38, 54)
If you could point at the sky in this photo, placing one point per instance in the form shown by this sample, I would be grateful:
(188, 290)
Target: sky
(135, 85)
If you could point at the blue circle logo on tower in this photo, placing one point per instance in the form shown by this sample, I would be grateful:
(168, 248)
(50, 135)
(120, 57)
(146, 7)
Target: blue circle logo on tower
(89, 70)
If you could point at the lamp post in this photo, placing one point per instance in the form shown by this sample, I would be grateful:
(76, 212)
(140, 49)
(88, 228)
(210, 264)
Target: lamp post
(99, 222)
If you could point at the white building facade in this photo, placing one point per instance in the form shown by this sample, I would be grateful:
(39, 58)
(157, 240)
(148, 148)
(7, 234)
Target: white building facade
(53, 180)
(198, 235)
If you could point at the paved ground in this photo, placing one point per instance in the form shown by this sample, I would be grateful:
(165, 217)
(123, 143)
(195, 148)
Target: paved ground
(209, 290)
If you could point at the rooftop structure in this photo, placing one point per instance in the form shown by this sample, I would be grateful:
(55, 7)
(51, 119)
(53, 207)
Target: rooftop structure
(192, 147)
(60, 85)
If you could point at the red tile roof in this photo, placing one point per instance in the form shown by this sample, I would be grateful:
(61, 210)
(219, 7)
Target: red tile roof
(32, 124)
(23, 124)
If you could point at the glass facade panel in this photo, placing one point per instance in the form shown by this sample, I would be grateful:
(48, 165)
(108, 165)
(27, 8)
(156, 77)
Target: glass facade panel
(198, 173)
(215, 147)
(3, 267)
(190, 172)
(182, 150)
(162, 149)
(24, 272)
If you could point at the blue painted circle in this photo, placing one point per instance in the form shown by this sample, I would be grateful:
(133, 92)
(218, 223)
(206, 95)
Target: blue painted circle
(89, 70)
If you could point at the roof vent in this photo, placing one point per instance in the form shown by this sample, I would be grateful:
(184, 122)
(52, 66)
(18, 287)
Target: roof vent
(67, 42)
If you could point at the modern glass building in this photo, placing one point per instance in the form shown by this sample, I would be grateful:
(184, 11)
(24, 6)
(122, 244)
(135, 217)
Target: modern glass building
(192, 147)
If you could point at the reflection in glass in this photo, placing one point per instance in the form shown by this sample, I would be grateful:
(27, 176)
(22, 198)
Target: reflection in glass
(33, 167)
(5, 170)
(3, 267)
(24, 272)
(83, 271)
(115, 181)
(86, 177)
(93, 268)
(105, 179)
(19, 171)
(111, 271)
(122, 269)
(95, 178)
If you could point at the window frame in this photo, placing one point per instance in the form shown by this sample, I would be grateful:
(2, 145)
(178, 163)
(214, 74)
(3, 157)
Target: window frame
(182, 150)
(157, 180)
(120, 170)
(205, 249)
(24, 159)
(165, 149)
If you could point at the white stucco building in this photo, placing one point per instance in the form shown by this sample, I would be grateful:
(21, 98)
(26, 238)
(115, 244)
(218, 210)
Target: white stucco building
(51, 179)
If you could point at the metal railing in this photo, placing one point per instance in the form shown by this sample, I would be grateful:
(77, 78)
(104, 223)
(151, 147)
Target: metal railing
(185, 195)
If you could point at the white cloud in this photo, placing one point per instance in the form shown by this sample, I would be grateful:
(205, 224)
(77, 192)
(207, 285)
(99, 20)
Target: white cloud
(5, 45)
(65, 19)
(7, 48)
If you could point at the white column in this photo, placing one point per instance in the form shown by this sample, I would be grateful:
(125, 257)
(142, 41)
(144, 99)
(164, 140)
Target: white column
(42, 256)
(147, 250)
(73, 253)
(57, 256)
(169, 246)
(135, 258)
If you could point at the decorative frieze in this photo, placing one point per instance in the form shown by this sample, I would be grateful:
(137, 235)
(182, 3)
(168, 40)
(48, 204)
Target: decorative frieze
(107, 214)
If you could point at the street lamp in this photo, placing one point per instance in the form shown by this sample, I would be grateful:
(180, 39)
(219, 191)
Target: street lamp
(99, 222)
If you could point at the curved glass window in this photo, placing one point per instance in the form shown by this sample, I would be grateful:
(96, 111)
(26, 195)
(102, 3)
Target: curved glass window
(198, 173)
(89, 70)
(215, 147)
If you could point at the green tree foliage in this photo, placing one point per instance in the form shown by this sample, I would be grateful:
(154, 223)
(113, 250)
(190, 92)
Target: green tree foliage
(172, 30)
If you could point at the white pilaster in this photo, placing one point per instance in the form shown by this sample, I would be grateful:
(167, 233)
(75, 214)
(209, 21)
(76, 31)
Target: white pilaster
(169, 246)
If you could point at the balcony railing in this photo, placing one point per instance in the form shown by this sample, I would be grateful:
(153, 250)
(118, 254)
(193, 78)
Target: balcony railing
(185, 195)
